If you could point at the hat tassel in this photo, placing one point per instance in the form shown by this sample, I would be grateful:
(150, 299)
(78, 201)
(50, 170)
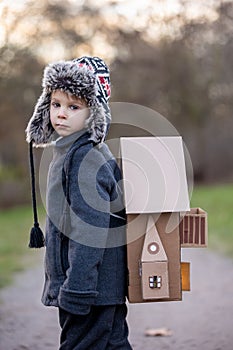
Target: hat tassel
(36, 235)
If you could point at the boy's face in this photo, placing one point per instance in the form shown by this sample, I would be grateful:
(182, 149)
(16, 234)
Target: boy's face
(67, 113)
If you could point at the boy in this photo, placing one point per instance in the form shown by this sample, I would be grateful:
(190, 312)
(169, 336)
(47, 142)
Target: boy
(85, 261)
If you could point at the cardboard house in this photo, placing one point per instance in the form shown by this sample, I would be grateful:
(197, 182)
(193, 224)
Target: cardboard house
(159, 219)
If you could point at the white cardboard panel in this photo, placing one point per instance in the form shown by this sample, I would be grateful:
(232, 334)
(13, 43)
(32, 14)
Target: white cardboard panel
(154, 175)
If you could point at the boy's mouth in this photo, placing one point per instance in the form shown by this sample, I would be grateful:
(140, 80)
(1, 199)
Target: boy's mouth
(59, 125)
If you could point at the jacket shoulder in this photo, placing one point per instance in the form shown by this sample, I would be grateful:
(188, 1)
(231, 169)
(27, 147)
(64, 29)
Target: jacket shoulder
(88, 154)
(90, 159)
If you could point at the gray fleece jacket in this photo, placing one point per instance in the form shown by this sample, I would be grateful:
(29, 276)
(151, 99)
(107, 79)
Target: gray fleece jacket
(85, 261)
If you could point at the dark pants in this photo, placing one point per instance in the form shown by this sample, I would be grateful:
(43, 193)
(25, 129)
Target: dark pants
(104, 328)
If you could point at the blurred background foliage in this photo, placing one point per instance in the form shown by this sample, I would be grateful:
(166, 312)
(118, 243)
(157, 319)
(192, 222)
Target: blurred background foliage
(172, 56)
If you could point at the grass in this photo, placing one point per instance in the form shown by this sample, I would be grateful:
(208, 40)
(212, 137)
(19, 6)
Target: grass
(14, 252)
(15, 225)
(218, 202)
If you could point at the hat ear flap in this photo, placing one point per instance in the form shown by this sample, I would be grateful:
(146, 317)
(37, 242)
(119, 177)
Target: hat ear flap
(97, 123)
(39, 129)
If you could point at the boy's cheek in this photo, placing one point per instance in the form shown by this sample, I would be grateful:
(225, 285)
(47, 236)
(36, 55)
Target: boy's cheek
(86, 113)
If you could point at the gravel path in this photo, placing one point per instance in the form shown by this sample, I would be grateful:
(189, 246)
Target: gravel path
(203, 320)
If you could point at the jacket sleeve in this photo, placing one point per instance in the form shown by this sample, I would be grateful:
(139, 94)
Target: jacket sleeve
(89, 187)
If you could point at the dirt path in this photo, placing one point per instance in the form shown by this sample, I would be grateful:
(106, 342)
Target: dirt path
(203, 320)
(24, 322)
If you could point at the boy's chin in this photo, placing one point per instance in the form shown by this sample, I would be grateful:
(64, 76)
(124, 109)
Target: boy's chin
(66, 133)
(63, 132)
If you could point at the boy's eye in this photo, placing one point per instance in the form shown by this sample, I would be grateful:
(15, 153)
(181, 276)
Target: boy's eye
(55, 104)
(74, 107)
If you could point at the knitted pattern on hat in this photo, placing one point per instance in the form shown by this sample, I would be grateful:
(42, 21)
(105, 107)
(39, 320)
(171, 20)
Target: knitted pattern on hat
(101, 71)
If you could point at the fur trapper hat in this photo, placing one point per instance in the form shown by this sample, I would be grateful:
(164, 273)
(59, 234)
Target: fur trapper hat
(85, 77)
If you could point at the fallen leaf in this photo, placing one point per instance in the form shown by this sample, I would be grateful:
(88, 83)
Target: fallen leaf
(158, 332)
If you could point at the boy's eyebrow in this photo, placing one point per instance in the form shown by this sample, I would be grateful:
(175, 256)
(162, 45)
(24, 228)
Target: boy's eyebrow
(71, 100)
(79, 100)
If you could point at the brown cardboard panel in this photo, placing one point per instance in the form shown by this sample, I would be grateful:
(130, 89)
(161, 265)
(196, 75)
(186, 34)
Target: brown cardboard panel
(191, 229)
(136, 229)
(186, 229)
(194, 229)
(203, 232)
(181, 231)
(197, 221)
(185, 276)
(154, 175)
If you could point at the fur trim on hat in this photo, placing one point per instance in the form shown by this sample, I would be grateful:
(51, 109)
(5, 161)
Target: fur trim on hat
(74, 79)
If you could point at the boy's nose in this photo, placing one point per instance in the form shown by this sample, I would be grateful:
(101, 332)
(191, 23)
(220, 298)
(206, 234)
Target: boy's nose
(62, 114)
